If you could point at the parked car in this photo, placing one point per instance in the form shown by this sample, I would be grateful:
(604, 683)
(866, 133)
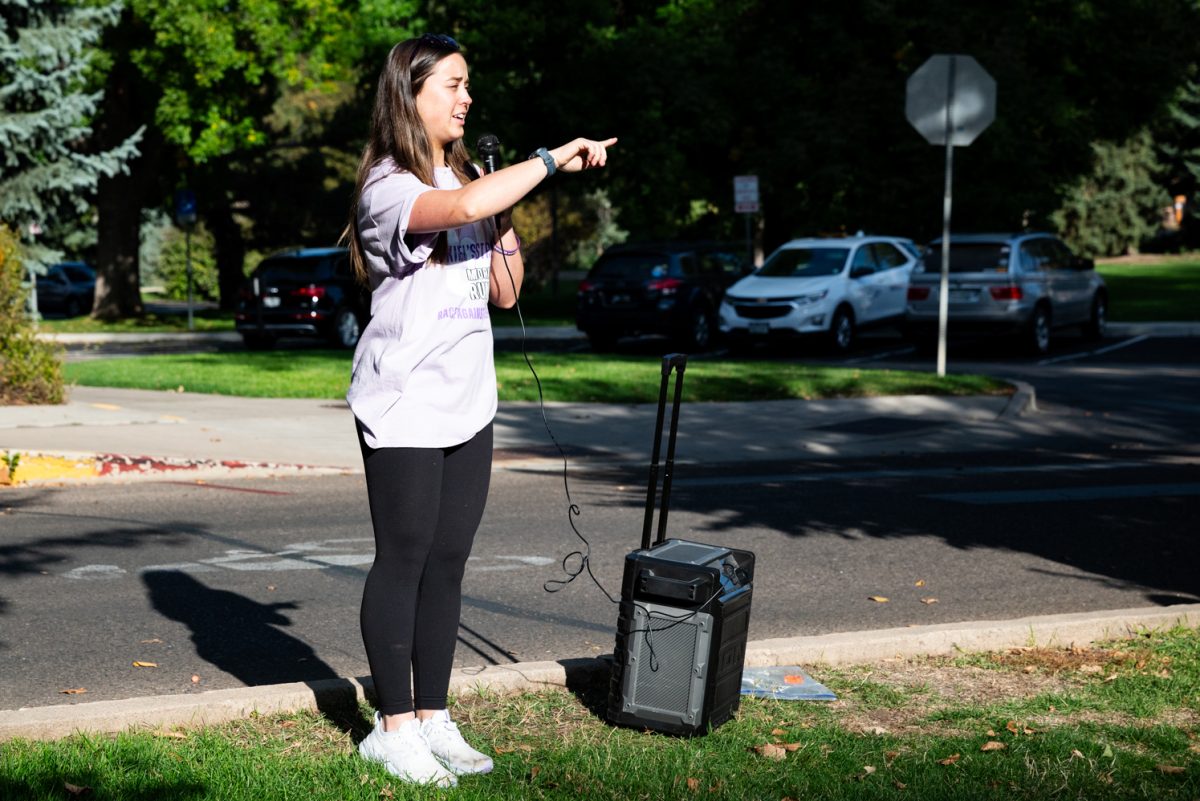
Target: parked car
(1024, 284)
(307, 292)
(67, 288)
(828, 287)
(669, 288)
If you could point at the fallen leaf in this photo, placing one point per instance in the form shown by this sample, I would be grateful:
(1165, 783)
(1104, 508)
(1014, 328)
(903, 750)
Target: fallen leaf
(386, 792)
(75, 789)
(928, 601)
(195, 679)
(1110, 677)
(890, 756)
(1077, 754)
(534, 771)
(287, 724)
(793, 746)
(919, 583)
(1170, 769)
(990, 733)
(879, 599)
(270, 588)
(878, 730)
(950, 760)
(145, 664)
(1090, 669)
(778, 732)
(693, 784)
(363, 779)
(771, 751)
(866, 771)
(993, 745)
(171, 735)
(74, 691)
(1012, 726)
(147, 642)
(899, 785)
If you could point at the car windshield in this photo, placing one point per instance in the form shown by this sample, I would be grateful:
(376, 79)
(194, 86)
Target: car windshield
(290, 269)
(804, 262)
(969, 257)
(632, 266)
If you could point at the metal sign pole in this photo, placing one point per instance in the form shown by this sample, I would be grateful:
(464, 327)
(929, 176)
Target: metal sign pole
(187, 238)
(944, 290)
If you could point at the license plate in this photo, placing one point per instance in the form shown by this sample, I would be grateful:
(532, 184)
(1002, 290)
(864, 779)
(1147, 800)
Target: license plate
(271, 302)
(963, 296)
(760, 328)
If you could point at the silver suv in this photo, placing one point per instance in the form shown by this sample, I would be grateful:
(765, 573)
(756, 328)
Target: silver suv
(1023, 284)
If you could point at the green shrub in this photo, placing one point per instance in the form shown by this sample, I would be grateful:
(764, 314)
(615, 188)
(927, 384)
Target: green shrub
(30, 369)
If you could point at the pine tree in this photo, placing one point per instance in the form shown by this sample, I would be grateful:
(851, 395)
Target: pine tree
(1115, 208)
(47, 175)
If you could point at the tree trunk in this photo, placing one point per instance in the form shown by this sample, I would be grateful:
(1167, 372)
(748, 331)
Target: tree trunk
(118, 284)
(230, 249)
(128, 104)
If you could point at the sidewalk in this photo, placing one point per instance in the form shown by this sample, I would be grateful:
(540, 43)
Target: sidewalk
(121, 434)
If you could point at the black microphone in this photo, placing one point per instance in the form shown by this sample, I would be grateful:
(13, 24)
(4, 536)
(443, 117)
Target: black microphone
(489, 150)
(488, 147)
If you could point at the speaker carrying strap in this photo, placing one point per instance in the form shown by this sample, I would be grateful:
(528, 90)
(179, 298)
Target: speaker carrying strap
(678, 363)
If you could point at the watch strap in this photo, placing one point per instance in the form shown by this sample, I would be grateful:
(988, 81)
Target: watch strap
(544, 154)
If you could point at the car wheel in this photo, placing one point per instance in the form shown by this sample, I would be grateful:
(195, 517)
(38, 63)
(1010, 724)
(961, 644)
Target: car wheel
(700, 332)
(346, 330)
(1037, 332)
(1096, 325)
(841, 331)
(258, 341)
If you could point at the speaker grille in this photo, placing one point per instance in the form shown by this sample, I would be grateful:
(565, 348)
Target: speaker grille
(674, 654)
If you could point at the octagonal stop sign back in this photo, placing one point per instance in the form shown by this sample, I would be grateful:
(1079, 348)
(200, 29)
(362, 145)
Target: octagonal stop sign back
(954, 84)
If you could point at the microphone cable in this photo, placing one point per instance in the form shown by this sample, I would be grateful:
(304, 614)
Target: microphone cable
(489, 147)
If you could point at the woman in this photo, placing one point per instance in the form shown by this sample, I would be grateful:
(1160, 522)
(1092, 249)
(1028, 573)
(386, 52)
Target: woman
(423, 390)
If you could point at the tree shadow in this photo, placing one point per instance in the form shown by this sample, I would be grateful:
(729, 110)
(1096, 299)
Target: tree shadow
(241, 637)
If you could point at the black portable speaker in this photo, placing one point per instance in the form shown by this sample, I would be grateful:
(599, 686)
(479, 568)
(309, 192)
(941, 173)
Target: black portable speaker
(684, 615)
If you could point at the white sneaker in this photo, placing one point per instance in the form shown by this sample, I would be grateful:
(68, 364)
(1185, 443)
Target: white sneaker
(449, 746)
(405, 754)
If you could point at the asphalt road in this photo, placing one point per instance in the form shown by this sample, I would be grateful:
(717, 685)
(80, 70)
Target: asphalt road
(1090, 505)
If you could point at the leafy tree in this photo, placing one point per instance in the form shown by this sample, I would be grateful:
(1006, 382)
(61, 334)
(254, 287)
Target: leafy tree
(1178, 140)
(208, 75)
(47, 176)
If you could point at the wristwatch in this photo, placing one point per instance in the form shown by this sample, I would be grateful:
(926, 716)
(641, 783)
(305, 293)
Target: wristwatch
(544, 154)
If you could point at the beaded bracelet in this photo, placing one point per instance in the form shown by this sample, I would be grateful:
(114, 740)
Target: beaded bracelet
(499, 248)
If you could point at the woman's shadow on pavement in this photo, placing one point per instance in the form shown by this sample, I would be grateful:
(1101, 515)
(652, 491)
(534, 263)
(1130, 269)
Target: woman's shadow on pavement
(240, 637)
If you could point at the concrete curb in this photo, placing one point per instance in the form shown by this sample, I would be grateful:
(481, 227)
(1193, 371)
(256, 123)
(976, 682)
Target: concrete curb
(1022, 402)
(217, 706)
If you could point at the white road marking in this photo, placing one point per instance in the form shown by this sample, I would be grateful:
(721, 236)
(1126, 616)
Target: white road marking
(313, 555)
(1097, 352)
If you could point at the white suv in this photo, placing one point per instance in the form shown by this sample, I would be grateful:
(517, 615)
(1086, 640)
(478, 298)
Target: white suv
(829, 287)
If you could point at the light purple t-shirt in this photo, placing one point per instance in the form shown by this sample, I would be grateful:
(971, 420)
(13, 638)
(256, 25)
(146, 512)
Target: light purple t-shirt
(424, 375)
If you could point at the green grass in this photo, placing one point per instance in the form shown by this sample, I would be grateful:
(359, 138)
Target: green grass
(582, 377)
(203, 320)
(1162, 289)
(981, 728)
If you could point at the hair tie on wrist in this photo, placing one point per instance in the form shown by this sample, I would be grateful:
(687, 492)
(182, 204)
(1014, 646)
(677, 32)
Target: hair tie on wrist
(499, 248)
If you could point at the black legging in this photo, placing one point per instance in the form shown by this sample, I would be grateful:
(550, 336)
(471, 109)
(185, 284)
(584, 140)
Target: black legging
(426, 504)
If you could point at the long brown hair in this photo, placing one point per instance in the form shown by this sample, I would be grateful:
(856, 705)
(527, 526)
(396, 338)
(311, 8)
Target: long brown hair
(398, 132)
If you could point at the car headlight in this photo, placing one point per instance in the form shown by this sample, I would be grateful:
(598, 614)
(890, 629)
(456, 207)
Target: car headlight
(813, 298)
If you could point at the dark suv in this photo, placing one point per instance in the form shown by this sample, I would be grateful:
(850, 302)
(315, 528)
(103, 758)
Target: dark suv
(670, 288)
(308, 292)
